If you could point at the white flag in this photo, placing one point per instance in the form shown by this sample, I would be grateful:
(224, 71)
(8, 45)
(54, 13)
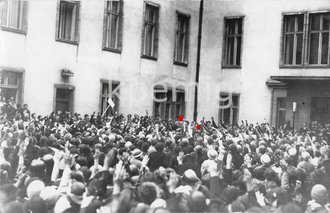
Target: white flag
(111, 103)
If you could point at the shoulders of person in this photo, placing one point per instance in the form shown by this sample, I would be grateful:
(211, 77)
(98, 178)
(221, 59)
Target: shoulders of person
(62, 204)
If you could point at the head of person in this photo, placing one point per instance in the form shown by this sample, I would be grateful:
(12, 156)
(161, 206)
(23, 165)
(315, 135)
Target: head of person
(147, 192)
(319, 194)
(8, 193)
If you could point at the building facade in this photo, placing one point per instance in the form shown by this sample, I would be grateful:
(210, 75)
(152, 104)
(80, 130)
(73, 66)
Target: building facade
(271, 56)
(261, 60)
(75, 55)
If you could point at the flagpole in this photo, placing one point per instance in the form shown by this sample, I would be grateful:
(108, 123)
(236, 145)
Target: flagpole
(105, 111)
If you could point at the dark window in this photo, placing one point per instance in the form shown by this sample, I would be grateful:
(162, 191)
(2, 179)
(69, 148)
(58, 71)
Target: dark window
(182, 39)
(293, 39)
(281, 112)
(171, 108)
(229, 105)
(14, 14)
(107, 92)
(68, 20)
(233, 42)
(150, 31)
(319, 39)
(113, 25)
(11, 86)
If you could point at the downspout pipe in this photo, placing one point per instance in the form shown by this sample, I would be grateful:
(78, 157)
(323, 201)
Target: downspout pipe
(201, 7)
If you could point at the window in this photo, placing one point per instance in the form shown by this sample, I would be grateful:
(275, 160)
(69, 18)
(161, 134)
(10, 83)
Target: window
(310, 30)
(228, 112)
(109, 89)
(293, 39)
(64, 99)
(14, 15)
(172, 107)
(182, 39)
(11, 85)
(319, 39)
(281, 112)
(150, 31)
(67, 21)
(232, 42)
(113, 25)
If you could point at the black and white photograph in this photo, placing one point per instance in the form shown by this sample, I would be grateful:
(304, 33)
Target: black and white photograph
(164, 106)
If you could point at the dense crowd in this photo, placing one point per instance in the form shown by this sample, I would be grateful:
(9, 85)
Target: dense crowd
(72, 163)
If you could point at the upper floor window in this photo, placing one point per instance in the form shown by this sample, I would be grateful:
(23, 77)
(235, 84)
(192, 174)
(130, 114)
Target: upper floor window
(14, 15)
(150, 31)
(113, 24)
(305, 40)
(293, 39)
(182, 39)
(68, 21)
(319, 39)
(232, 42)
(228, 110)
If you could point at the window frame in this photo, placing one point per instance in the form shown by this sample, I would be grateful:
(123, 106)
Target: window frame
(107, 96)
(309, 40)
(306, 42)
(120, 27)
(156, 32)
(77, 24)
(282, 49)
(224, 42)
(221, 111)
(172, 104)
(187, 39)
(24, 18)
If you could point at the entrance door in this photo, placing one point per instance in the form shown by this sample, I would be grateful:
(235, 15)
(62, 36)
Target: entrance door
(64, 100)
(320, 109)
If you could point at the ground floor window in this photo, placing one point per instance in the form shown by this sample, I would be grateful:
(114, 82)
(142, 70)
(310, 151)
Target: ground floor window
(109, 90)
(170, 108)
(229, 105)
(64, 99)
(11, 86)
(281, 112)
(320, 109)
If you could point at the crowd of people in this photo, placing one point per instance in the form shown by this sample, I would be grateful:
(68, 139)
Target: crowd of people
(72, 163)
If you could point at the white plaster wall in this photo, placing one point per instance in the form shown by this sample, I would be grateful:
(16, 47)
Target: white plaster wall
(260, 56)
(42, 57)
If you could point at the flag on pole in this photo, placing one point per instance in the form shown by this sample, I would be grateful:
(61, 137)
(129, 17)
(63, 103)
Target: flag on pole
(111, 103)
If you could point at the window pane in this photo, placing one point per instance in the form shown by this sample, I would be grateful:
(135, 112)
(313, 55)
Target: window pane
(226, 116)
(235, 116)
(290, 23)
(288, 54)
(67, 21)
(113, 30)
(150, 13)
(300, 22)
(315, 21)
(326, 21)
(235, 100)
(299, 48)
(238, 51)
(15, 14)
(230, 50)
(105, 89)
(230, 26)
(325, 45)
(314, 47)
(113, 6)
(148, 39)
(239, 22)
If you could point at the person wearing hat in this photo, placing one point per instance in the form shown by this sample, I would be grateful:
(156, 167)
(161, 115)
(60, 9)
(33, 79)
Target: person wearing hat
(136, 158)
(212, 157)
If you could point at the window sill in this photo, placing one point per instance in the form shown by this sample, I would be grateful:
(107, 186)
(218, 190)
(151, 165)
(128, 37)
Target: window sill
(305, 67)
(67, 41)
(23, 32)
(112, 50)
(180, 64)
(149, 57)
(230, 67)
